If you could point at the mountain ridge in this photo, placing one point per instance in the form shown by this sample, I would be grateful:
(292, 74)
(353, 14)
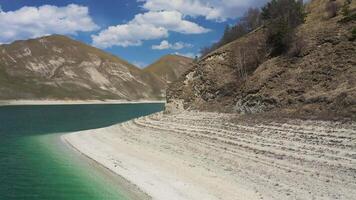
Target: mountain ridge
(58, 67)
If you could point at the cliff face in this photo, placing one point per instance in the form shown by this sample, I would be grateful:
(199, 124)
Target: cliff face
(241, 77)
(57, 67)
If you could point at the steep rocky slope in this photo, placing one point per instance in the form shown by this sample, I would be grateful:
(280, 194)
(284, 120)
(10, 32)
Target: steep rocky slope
(57, 67)
(170, 67)
(241, 77)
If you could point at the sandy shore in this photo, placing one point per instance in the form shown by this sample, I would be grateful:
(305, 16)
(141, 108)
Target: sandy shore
(70, 102)
(207, 156)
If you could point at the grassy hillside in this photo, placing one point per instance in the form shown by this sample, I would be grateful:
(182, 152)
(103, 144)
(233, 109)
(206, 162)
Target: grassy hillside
(170, 67)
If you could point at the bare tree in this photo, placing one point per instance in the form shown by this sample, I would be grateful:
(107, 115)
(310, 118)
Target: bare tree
(252, 19)
(249, 55)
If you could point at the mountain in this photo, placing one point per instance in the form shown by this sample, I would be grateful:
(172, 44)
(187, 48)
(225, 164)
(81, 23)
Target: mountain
(241, 77)
(57, 67)
(170, 67)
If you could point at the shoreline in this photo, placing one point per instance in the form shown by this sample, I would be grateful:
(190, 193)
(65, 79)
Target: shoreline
(159, 176)
(72, 102)
(196, 155)
(128, 189)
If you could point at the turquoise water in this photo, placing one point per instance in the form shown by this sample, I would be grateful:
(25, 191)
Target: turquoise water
(35, 164)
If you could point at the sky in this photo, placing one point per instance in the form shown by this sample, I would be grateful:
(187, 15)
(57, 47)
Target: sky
(139, 31)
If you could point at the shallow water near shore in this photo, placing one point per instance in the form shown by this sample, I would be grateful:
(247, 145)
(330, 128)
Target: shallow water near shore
(36, 164)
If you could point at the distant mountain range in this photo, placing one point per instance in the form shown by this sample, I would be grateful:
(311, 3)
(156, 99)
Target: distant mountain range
(57, 67)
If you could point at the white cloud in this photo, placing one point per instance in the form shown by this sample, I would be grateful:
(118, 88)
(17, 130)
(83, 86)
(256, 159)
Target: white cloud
(171, 20)
(128, 35)
(218, 10)
(146, 26)
(176, 46)
(30, 22)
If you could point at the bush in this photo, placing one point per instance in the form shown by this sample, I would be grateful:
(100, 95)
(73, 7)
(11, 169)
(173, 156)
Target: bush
(279, 37)
(332, 7)
(353, 34)
(281, 17)
(346, 8)
(349, 18)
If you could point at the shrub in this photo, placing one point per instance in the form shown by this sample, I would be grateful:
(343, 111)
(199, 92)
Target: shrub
(346, 8)
(349, 18)
(281, 17)
(279, 37)
(353, 34)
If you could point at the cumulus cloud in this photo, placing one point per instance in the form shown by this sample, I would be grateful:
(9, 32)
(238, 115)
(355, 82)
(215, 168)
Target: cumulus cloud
(170, 20)
(128, 35)
(218, 10)
(30, 22)
(146, 26)
(176, 46)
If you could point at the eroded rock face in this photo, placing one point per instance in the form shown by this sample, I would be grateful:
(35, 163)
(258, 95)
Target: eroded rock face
(213, 82)
(241, 77)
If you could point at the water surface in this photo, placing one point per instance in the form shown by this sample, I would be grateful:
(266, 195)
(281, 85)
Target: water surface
(35, 164)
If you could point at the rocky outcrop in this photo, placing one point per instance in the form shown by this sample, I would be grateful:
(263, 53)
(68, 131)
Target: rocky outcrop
(211, 82)
(57, 67)
(320, 80)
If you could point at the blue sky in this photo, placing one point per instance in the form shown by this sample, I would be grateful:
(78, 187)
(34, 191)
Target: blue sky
(139, 31)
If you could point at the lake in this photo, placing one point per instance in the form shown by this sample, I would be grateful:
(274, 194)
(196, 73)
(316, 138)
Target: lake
(36, 164)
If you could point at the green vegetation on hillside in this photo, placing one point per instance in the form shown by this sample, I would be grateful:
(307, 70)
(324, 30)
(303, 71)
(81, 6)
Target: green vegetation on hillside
(281, 17)
(353, 34)
(346, 8)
